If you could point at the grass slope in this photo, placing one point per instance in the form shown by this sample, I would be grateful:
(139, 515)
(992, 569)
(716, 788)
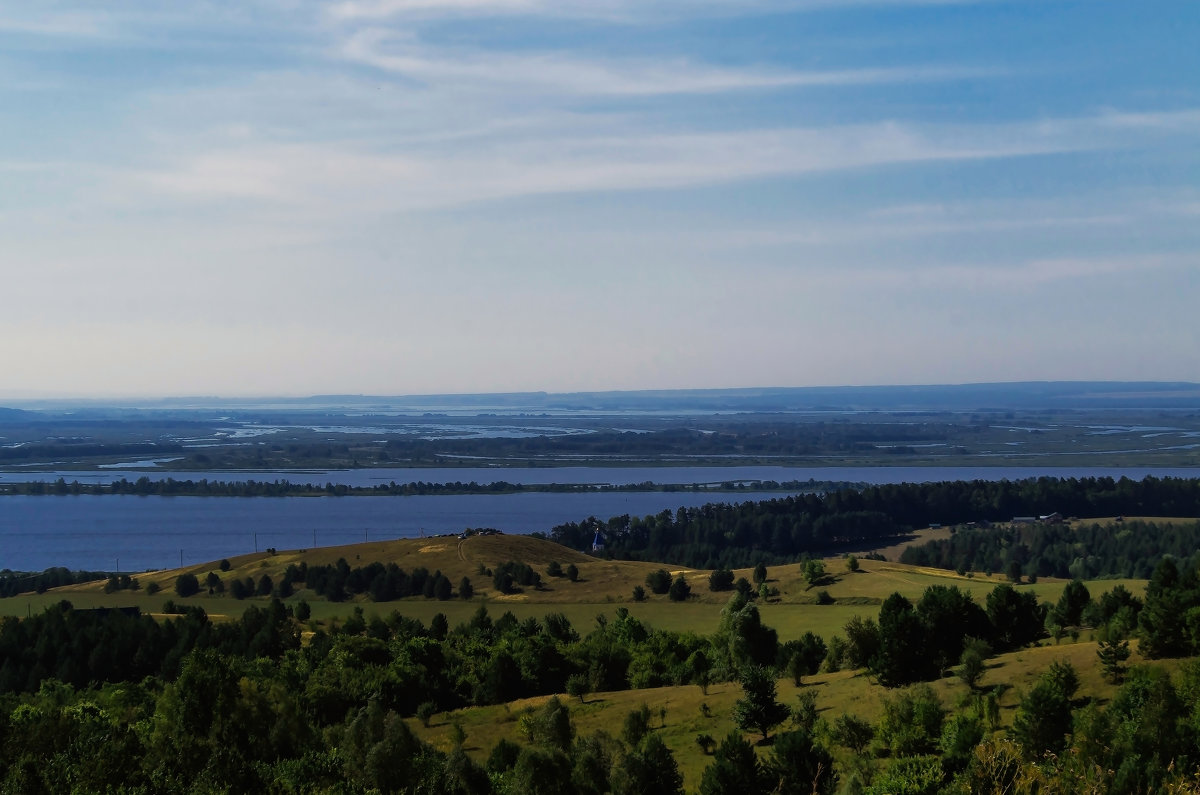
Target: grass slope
(837, 693)
(603, 585)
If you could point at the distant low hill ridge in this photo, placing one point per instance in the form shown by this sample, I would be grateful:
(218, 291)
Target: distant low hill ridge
(916, 397)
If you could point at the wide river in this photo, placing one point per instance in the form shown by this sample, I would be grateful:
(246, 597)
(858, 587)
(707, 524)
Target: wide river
(137, 533)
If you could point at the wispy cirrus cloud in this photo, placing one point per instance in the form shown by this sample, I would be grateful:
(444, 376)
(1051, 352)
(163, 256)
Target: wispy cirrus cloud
(1021, 275)
(34, 21)
(624, 11)
(543, 163)
(566, 73)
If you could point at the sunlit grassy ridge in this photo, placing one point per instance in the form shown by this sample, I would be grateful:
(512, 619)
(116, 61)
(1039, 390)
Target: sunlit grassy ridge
(601, 587)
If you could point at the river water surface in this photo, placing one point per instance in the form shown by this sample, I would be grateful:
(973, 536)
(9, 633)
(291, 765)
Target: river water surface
(137, 533)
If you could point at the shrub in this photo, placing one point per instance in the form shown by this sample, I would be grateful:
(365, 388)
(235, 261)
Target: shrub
(636, 726)
(912, 722)
(187, 585)
(659, 581)
(680, 590)
(720, 580)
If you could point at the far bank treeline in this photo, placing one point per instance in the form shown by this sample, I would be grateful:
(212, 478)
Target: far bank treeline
(784, 529)
(171, 487)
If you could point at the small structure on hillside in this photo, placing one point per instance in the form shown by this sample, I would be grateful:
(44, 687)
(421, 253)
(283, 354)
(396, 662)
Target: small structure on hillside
(1046, 518)
(598, 543)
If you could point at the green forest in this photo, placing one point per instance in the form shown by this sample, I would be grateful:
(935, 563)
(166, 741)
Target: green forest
(116, 701)
(786, 528)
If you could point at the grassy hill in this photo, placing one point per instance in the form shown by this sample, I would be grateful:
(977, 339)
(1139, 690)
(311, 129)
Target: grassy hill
(851, 692)
(602, 586)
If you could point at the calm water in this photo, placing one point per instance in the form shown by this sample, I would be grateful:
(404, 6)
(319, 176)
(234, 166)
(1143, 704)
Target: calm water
(93, 532)
(150, 532)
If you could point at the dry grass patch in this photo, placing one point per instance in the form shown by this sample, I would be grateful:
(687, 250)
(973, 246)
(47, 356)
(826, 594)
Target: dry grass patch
(601, 587)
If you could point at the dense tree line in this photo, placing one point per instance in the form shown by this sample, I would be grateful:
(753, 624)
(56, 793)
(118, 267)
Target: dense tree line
(1129, 549)
(13, 583)
(381, 582)
(90, 647)
(758, 438)
(779, 530)
(720, 535)
(483, 661)
(918, 642)
(1169, 622)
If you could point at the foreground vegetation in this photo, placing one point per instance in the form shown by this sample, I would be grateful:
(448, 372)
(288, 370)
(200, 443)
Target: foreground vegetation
(911, 680)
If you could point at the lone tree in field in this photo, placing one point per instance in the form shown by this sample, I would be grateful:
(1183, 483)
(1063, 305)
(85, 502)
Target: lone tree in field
(658, 581)
(578, 686)
(758, 709)
(680, 590)
(1113, 654)
(814, 571)
(972, 667)
(187, 585)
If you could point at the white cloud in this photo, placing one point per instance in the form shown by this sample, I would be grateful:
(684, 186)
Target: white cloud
(1175, 121)
(346, 179)
(623, 11)
(560, 72)
(1043, 271)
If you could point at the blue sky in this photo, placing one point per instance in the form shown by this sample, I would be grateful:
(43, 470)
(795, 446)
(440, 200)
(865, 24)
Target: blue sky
(412, 196)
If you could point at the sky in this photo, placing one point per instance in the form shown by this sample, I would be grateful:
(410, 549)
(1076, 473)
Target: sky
(289, 197)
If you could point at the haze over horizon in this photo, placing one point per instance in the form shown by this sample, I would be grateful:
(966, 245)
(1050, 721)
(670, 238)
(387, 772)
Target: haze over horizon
(1084, 395)
(408, 197)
